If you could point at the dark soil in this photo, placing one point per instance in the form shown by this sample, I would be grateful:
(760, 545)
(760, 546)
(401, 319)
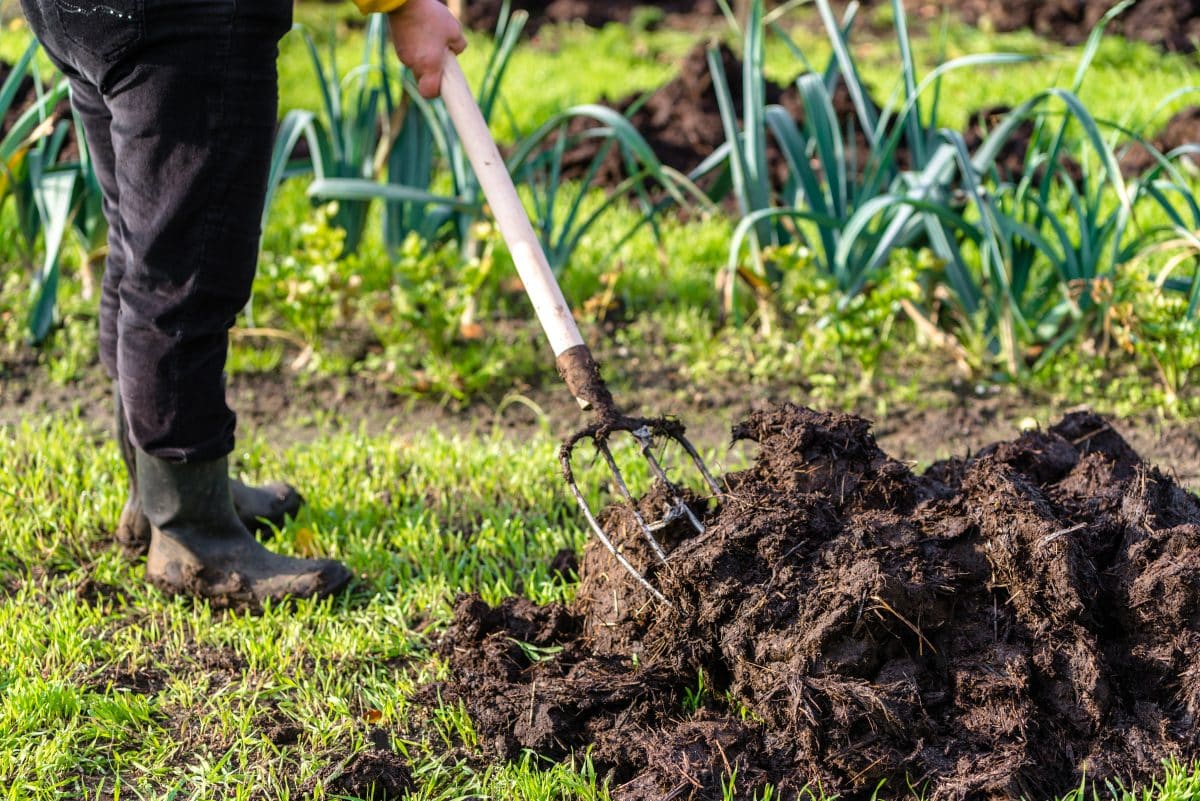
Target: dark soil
(375, 773)
(1181, 130)
(1171, 24)
(1003, 625)
(681, 121)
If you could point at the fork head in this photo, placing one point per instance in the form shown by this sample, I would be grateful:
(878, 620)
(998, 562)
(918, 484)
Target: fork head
(644, 432)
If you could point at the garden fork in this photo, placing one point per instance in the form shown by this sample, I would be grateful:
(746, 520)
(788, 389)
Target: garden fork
(572, 357)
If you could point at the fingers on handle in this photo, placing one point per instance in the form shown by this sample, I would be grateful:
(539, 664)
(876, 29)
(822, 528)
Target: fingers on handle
(430, 84)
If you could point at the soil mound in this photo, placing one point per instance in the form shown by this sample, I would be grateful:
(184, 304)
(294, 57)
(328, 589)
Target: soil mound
(681, 121)
(1003, 625)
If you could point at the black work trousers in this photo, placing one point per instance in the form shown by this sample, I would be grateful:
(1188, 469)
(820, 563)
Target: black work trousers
(178, 100)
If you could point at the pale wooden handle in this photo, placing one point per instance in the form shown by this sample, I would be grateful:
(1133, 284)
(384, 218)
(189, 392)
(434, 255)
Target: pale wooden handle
(548, 302)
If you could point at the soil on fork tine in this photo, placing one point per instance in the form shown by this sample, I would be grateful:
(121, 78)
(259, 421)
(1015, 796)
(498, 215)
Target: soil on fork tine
(1004, 625)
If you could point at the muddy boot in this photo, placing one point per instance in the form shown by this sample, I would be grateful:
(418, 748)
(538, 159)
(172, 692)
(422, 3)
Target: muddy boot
(262, 509)
(200, 547)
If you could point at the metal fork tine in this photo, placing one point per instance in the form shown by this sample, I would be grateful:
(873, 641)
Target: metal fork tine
(691, 451)
(599, 532)
(643, 431)
(646, 440)
(646, 532)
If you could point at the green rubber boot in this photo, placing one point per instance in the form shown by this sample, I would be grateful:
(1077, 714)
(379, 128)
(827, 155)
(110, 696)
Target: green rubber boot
(262, 509)
(200, 547)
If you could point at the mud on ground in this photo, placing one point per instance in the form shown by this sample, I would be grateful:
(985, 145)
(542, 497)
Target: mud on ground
(1003, 625)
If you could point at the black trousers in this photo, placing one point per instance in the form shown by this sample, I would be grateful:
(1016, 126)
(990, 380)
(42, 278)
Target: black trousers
(178, 100)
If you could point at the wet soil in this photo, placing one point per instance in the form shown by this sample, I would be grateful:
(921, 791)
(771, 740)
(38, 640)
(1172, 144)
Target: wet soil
(1007, 624)
(375, 773)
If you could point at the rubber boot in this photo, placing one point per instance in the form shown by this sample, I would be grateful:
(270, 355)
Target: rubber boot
(133, 529)
(200, 547)
(261, 509)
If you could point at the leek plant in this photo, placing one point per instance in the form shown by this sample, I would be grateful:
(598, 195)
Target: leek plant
(357, 112)
(559, 218)
(1049, 240)
(848, 209)
(419, 134)
(51, 198)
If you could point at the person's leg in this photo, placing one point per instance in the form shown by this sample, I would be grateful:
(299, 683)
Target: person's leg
(261, 509)
(194, 124)
(190, 88)
(194, 120)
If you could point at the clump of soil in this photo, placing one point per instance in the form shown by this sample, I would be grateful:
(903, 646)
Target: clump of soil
(1002, 625)
(375, 773)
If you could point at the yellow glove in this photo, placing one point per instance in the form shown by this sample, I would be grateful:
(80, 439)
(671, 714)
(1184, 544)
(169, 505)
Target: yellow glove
(382, 6)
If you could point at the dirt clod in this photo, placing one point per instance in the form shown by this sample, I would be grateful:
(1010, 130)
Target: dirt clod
(373, 773)
(1002, 625)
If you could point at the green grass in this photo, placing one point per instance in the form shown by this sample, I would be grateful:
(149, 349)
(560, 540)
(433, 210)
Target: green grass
(421, 520)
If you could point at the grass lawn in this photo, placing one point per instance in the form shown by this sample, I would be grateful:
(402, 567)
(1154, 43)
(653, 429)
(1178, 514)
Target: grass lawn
(112, 690)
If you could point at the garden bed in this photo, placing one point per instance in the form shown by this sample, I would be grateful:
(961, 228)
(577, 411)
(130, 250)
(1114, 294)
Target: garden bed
(1005, 625)
(681, 121)
(1170, 24)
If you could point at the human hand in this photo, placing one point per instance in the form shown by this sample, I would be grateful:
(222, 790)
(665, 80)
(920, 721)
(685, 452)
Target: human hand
(422, 31)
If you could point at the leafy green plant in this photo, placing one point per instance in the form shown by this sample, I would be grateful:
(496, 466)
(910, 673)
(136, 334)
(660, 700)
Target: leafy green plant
(425, 135)
(343, 141)
(562, 217)
(433, 338)
(415, 132)
(51, 198)
(307, 287)
(1045, 240)
(849, 209)
(1149, 321)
